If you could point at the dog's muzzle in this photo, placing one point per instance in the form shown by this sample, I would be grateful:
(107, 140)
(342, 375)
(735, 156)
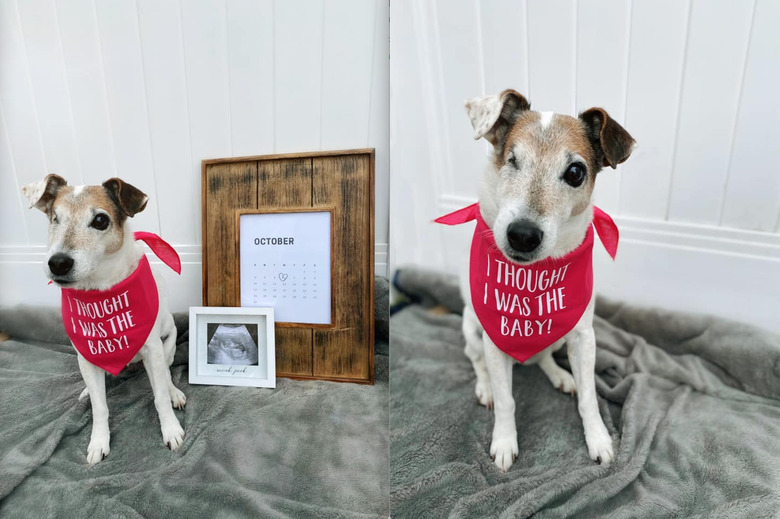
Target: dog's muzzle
(60, 264)
(524, 236)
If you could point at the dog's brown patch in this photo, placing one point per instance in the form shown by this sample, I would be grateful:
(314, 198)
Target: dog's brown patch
(88, 199)
(521, 130)
(561, 133)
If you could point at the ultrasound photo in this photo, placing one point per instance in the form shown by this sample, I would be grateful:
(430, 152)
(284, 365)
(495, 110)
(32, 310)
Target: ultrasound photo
(232, 344)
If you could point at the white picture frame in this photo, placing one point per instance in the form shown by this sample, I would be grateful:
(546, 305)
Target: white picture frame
(232, 346)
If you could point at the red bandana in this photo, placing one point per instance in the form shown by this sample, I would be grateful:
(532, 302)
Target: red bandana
(108, 327)
(526, 308)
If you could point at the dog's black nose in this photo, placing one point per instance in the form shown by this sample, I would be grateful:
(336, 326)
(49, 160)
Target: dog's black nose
(524, 236)
(60, 264)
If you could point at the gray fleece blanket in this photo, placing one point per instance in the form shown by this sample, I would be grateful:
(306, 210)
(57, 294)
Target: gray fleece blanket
(305, 449)
(692, 404)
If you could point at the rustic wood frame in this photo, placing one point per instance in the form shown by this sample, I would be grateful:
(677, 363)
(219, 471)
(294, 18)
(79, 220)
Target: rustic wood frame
(332, 211)
(341, 180)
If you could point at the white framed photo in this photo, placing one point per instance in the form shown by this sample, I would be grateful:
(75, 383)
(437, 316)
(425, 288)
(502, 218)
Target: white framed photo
(232, 346)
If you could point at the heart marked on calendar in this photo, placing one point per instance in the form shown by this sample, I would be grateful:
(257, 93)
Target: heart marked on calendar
(283, 277)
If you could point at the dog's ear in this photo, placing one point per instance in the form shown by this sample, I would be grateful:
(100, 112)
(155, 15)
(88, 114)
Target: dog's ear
(611, 142)
(128, 198)
(491, 116)
(42, 193)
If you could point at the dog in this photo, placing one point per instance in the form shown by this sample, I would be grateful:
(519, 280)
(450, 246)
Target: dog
(90, 250)
(535, 199)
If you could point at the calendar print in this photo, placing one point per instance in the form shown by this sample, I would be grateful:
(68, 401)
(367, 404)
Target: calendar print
(285, 264)
(286, 282)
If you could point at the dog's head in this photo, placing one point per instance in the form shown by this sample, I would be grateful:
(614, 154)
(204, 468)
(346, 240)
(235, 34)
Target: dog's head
(536, 194)
(86, 228)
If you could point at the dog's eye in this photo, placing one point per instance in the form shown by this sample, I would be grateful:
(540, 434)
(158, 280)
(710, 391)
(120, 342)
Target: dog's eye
(575, 174)
(100, 222)
(54, 218)
(512, 161)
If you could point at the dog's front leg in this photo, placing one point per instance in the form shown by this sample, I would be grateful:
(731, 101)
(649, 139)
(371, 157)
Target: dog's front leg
(169, 350)
(159, 375)
(475, 351)
(95, 380)
(503, 448)
(582, 357)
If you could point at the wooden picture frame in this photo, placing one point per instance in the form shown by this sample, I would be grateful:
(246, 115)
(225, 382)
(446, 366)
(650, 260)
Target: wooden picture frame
(340, 180)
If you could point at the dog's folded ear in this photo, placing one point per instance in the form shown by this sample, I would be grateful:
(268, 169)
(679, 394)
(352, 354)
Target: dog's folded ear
(42, 193)
(611, 142)
(128, 198)
(491, 116)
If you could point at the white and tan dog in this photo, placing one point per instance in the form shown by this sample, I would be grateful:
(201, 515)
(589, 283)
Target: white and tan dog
(91, 247)
(536, 199)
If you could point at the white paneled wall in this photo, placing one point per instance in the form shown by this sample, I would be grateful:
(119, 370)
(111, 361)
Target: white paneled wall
(694, 81)
(146, 89)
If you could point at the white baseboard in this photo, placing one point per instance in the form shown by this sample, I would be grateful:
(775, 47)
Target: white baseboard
(22, 280)
(727, 272)
(380, 259)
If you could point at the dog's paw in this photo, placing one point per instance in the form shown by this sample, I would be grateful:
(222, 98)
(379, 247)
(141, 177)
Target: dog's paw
(559, 377)
(173, 436)
(504, 451)
(98, 447)
(178, 400)
(484, 393)
(563, 381)
(600, 447)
